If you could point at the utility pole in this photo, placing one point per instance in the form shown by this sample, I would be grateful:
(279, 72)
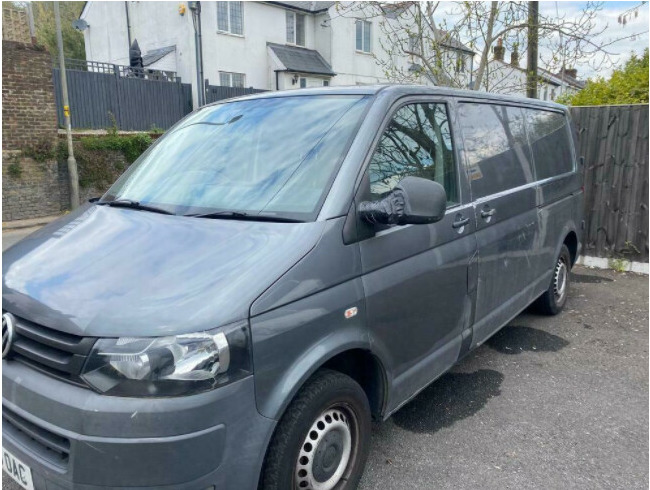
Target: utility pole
(533, 40)
(72, 163)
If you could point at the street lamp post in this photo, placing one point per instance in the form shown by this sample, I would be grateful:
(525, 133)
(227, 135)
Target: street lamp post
(72, 163)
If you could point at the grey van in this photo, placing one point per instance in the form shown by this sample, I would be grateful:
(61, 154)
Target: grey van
(273, 273)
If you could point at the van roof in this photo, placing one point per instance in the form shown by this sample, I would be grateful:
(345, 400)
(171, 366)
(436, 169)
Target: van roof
(397, 91)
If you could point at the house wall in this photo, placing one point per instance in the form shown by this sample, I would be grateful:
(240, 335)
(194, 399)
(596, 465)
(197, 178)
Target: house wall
(159, 24)
(153, 25)
(503, 78)
(354, 67)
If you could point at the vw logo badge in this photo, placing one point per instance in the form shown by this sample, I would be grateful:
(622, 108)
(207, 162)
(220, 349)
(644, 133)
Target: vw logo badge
(7, 333)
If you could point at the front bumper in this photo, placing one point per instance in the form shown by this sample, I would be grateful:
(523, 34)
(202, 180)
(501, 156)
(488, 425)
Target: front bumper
(72, 437)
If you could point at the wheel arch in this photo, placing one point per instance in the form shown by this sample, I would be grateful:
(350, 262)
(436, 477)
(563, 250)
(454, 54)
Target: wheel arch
(571, 242)
(352, 359)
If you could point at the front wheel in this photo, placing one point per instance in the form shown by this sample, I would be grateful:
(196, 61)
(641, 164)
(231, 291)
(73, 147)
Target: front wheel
(323, 439)
(553, 300)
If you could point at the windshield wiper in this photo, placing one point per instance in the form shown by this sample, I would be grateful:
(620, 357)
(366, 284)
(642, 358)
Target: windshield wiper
(129, 203)
(244, 216)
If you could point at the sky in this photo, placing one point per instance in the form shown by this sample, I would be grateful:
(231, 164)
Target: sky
(608, 16)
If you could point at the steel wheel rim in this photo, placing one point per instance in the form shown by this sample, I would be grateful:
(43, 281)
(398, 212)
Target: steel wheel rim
(335, 423)
(560, 279)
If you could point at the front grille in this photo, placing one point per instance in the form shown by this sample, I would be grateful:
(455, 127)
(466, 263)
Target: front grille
(55, 353)
(50, 446)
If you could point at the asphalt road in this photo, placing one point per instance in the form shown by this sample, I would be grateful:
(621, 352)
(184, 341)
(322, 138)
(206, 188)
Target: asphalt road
(549, 402)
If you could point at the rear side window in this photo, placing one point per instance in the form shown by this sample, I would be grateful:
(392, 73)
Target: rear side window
(417, 142)
(549, 139)
(496, 149)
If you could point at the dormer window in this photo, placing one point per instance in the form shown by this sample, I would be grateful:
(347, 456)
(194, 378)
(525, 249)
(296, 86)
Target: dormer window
(295, 28)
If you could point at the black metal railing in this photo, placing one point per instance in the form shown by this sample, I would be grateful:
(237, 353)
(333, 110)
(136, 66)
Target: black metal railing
(120, 71)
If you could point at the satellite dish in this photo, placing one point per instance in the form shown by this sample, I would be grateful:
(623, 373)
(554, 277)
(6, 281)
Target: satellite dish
(80, 24)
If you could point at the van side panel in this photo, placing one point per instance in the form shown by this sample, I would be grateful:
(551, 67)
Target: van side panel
(299, 322)
(292, 342)
(499, 166)
(559, 197)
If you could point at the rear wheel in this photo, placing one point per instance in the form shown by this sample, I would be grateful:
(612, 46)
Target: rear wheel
(554, 299)
(322, 441)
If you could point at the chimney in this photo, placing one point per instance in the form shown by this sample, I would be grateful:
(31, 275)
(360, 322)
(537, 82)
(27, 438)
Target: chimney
(514, 56)
(499, 50)
(572, 72)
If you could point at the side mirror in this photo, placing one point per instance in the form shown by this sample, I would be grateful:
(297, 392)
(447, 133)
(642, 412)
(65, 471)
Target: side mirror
(413, 201)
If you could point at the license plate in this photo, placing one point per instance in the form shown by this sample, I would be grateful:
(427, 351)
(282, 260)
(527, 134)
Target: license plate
(17, 470)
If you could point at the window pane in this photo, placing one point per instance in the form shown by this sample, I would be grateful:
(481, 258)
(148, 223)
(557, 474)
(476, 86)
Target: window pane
(236, 18)
(303, 82)
(549, 138)
(222, 16)
(416, 143)
(366, 37)
(238, 80)
(414, 44)
(291, 28)
(496, 148)
(300, 30)
(224, 79)
(359, 27)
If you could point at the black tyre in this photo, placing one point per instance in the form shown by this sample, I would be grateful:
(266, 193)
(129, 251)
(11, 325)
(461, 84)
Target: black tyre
(323, 439)
(554, 299)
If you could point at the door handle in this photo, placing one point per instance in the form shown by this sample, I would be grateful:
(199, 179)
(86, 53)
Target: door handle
(487, 212)
(460, 222)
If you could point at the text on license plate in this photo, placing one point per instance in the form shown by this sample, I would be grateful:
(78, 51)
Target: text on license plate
(18, 470)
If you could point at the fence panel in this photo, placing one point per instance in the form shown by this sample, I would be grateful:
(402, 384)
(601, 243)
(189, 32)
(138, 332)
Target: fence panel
(137, 99)
(144, 104)
(92, 97)
(614, 142)
(214, 93)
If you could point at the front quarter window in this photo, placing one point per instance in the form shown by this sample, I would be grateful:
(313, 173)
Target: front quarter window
(274, 156)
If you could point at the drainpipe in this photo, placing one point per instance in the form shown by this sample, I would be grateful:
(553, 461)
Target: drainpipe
(195, 7)
(128, 23)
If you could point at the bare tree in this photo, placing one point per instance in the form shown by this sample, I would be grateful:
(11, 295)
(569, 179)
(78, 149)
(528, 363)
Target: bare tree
(423, 40)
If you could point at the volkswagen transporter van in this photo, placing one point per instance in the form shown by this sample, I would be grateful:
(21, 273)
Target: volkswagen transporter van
(272, 274)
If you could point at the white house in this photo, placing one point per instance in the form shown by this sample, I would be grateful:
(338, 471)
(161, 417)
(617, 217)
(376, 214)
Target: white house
(265, 45)
(509, 78)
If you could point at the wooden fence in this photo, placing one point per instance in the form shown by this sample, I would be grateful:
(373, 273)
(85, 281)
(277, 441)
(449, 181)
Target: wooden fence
(614, 143)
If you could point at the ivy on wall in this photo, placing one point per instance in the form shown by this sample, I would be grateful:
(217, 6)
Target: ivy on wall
(102, 159)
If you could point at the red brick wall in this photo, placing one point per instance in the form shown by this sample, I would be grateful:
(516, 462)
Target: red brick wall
(28, 105)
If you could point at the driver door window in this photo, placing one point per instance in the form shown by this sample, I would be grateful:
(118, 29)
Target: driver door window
(417, 142)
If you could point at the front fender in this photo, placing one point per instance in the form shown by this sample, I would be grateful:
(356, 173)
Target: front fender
(291, 342)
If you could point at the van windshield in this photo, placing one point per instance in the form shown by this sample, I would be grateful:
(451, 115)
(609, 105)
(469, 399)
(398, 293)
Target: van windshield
(265, 157)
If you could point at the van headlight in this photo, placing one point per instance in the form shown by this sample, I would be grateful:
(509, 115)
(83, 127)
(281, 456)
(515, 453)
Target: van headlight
(169, 366)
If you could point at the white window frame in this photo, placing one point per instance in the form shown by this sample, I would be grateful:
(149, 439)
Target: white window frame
(294, 20)
(365, 26)
(230, 74)
(228, 30)
(300, 81)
